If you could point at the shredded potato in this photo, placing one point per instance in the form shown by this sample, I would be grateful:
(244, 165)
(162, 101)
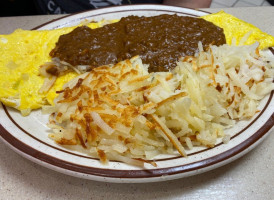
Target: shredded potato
(124, 113)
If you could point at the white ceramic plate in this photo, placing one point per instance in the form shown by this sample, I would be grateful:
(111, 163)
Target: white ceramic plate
(29, 135)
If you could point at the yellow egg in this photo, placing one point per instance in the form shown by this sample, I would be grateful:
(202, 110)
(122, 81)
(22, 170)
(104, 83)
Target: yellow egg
(236, 28)
(21, 54)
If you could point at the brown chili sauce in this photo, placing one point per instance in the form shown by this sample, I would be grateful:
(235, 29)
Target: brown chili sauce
(158, 40)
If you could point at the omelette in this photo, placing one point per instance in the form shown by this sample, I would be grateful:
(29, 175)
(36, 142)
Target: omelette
(237, 29)
(21, 55)
(23, 52)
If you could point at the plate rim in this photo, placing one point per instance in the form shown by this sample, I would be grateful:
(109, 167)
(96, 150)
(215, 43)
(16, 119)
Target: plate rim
(224, 157)
(117, 7)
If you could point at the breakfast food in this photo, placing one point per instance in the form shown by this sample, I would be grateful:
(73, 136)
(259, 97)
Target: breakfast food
(142, 98)
(125, 113)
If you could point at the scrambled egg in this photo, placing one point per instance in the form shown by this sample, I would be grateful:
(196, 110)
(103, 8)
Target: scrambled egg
(236, 28)
(21, 54)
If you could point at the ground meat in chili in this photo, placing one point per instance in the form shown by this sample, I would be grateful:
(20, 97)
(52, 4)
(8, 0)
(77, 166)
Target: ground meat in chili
(158, 40)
